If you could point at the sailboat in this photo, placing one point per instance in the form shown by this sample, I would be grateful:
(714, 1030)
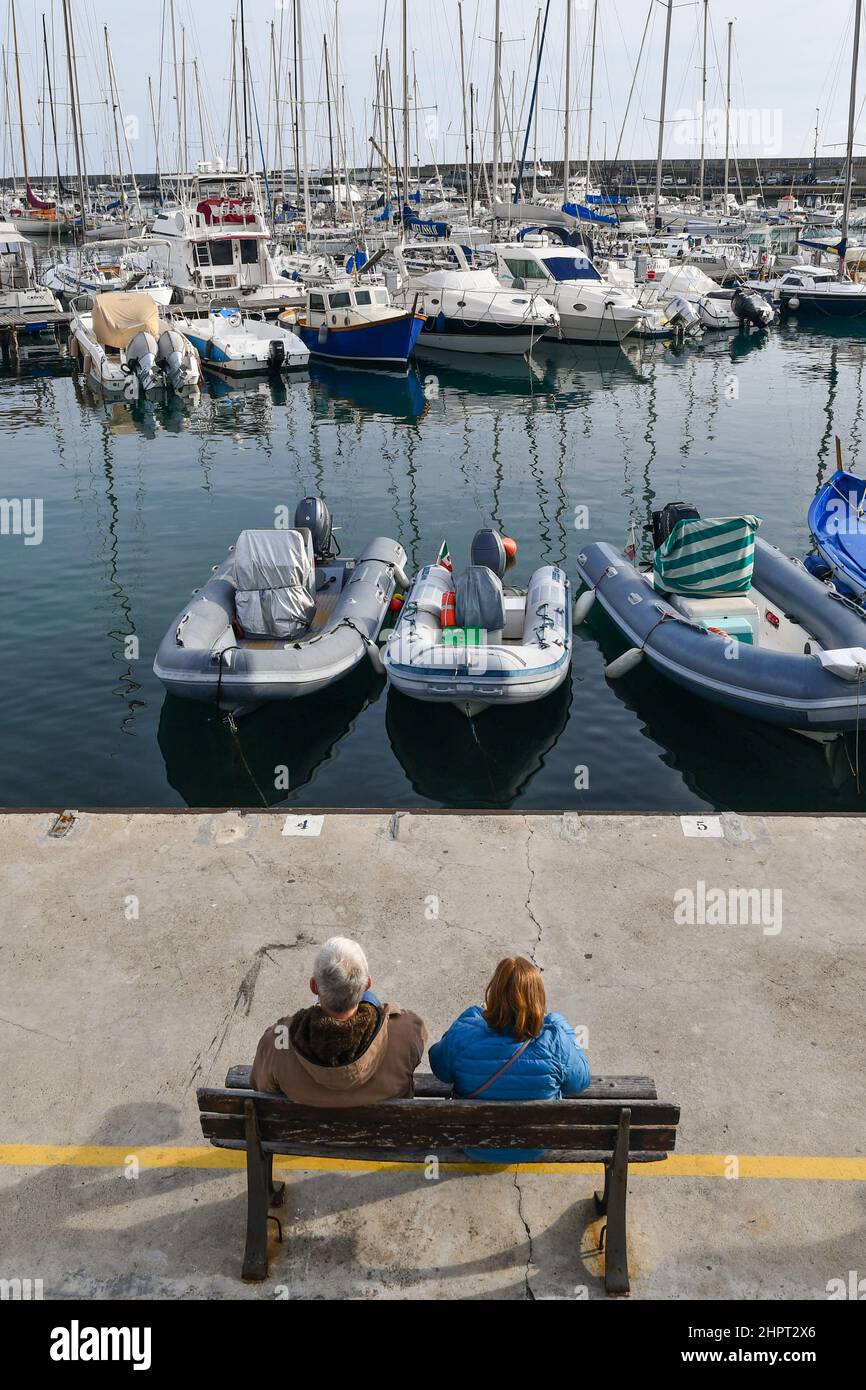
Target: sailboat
(801, 292)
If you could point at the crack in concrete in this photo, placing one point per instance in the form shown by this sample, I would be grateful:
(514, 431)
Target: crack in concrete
(244, 997)
(533, 954)
(529, 1294)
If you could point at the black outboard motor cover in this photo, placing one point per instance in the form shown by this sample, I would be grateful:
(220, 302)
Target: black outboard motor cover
(665, 520)
(276, 355)
(487, 549)
(313, 514)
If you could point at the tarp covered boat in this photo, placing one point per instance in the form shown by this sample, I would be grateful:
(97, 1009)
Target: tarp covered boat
(786, 650)
(837, 520)
(282, 616)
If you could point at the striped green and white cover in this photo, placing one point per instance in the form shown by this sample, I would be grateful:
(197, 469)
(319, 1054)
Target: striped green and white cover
(707, 557)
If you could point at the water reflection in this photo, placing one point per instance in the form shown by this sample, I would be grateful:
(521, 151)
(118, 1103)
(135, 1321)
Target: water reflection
(210, 764)
(729, 761)
(344, 393)
(485, 763)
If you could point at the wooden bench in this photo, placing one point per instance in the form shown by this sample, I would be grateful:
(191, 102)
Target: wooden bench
(618, 1120)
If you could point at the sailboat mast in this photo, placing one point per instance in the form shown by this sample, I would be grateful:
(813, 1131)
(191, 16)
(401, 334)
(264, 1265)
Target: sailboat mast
(73, 103)
(406, 159)
(728, 114)
(244, 91)
(535, 120)
(497, 128)
(51, 101)
(566, 148)
(155, 126)
(849, 158)
(112, 96)
(302, 117)
(330, 129)
(20, 97)
(468, 184)
(658, 192)
(278, 134)
(591, 94)
(703, 107)
(176, 88)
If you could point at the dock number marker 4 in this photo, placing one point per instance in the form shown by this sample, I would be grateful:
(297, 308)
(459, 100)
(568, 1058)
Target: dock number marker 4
(303, 825)
(702, 827)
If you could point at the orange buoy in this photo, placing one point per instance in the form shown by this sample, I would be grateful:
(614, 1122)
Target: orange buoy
(397, 603)
(510, 551)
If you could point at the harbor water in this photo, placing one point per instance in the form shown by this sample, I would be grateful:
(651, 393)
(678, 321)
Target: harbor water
(138, 502)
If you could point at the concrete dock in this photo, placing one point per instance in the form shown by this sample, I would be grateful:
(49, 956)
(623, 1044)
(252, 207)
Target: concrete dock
(143, 954)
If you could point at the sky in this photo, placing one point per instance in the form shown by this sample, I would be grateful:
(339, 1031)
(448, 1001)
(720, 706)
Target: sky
(787, 60)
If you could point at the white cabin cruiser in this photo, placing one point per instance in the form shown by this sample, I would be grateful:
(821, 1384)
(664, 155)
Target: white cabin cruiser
(214, 243)
(473, 644)
(591, 310)
(125, 349)
(240, 344)
(467, 309)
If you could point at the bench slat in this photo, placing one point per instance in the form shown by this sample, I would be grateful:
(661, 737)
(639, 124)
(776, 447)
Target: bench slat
(447, 1130)
(602, 1087)
(361, 1153)
(272, 1109)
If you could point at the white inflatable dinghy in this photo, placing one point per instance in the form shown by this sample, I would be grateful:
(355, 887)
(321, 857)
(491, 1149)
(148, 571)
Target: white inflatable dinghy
(474, 644)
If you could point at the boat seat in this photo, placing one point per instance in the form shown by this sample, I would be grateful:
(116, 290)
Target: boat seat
(479, 601)
(736, 614)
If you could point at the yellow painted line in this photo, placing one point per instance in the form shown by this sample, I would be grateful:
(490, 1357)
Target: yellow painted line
(786, 1167)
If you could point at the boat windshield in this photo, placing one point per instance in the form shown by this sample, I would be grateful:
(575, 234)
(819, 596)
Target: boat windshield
(570, 268)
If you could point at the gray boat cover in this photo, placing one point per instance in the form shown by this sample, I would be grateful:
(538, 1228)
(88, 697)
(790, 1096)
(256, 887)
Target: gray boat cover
(275, 582)
(478, 600)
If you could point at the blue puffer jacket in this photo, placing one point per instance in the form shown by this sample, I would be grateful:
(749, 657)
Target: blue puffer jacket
(471, 1052)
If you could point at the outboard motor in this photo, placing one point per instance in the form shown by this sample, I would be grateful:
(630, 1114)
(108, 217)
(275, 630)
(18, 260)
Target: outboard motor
(684, 317)
(172, 350)
(276, 355)
(141, 356)
(664, 521)
(750, 306)
(313, 514)
(488, 549)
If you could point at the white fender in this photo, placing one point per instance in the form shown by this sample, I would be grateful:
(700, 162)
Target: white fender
(375, 658)
(623, 664)
(583, 606)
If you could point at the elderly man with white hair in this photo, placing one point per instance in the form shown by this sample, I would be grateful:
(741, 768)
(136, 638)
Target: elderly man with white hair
(347, 1049)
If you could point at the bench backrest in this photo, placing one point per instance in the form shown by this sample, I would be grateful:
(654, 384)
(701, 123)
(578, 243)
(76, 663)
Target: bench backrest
(429, 1124)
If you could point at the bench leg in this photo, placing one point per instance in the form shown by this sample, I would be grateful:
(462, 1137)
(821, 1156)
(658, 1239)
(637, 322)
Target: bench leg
(276, 1190)
(259, 1164)
(616, 1189)
(602, 1198)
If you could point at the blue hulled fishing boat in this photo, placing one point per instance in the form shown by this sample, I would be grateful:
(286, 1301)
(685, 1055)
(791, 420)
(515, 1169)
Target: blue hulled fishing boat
(357, 324)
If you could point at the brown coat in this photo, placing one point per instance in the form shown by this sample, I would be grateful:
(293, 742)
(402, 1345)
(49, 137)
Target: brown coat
(382, 1072)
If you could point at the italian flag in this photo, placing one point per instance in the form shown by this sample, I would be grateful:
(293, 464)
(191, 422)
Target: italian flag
(444, 557)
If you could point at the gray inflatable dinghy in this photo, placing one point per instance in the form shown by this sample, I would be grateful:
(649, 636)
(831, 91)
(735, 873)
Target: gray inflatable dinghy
(282, 616)
(789, 651)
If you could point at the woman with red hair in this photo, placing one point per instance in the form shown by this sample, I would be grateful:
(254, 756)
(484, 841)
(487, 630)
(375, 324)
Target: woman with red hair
(511, 1049)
